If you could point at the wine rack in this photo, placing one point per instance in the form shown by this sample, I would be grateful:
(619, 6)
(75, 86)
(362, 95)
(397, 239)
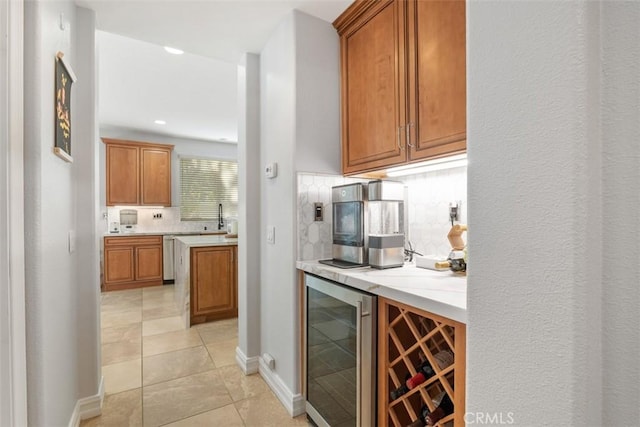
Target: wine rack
(408, 337)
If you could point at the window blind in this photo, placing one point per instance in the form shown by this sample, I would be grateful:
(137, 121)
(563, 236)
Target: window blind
(205, 183)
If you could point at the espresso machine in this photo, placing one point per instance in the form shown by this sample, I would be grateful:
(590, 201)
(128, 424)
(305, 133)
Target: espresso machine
(356, 209)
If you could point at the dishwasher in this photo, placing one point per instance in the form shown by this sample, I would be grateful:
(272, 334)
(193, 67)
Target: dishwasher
(167, 259)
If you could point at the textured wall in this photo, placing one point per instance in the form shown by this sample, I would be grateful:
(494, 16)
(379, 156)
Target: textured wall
(287, 132)
(621, 201)
(277, 144)
(56, 297)
(249, 229)
(532, 160)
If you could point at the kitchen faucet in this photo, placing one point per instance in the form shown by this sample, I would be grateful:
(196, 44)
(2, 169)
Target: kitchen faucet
(220, 220)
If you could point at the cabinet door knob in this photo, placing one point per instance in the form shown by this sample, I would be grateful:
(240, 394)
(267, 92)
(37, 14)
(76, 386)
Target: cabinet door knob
(399, 136)
(409, 125)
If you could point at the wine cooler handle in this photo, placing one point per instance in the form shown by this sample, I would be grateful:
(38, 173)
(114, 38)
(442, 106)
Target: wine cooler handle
(359, 363)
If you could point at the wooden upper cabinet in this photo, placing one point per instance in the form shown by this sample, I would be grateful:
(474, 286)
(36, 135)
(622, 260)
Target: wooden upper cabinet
(138, 173)
(403, 83)
(372, 105)
(437, 78)
(123, 179)
(155, 186)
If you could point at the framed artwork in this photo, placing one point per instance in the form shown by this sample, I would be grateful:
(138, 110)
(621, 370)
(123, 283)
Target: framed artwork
(64, 79)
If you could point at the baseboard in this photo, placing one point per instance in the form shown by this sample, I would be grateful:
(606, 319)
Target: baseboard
(88, 407)
(249, 365)
(294, 404)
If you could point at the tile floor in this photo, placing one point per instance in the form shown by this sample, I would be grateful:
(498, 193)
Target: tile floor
(158, 374)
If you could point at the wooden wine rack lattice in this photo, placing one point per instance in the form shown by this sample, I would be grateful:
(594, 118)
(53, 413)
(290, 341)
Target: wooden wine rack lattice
(406, 337)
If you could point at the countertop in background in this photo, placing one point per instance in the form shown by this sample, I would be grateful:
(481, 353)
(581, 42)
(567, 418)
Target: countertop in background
(440, 292)
(202, 241)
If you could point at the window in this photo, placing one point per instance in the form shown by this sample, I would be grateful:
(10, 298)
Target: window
(204, 184)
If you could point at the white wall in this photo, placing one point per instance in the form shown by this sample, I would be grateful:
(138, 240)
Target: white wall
(56, 299)
(249, 229)
(621, 200)
(183, 147)
(277, 144)
(292, 83)
(86, 180)
(317, 96)
(13, 375)
(553, 108)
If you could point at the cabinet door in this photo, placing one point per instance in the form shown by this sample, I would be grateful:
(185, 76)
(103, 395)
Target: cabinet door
(118, 264)
(122, 175)
(149, 263)
(436, 77)
(373, 106)
(213, 283)
(156, 176)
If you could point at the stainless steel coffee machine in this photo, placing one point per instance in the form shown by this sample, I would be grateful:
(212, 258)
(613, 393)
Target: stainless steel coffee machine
(355, 208)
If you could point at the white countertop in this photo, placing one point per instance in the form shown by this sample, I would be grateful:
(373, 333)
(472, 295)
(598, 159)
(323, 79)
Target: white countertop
(207, 240)
(166, 233)
(440, 292)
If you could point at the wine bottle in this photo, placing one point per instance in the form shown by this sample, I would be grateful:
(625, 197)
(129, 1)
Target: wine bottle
(425, 371)
(444, 408)
(422, 417)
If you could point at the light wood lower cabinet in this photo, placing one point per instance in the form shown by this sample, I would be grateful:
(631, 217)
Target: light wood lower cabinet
(214, 283)
(132, 262)
(407, 339)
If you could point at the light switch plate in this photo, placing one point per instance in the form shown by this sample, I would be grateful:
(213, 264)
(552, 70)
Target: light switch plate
(271, 234)
(271, 170)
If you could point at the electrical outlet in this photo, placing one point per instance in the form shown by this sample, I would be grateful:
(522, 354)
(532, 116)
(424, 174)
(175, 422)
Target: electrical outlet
(318, 211)
(454, 211)
(157, 215)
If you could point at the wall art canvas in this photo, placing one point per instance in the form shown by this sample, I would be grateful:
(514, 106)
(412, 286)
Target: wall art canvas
(64, 79)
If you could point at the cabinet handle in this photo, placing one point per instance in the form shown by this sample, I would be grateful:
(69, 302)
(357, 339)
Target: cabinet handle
(399, 136)
(409, 135)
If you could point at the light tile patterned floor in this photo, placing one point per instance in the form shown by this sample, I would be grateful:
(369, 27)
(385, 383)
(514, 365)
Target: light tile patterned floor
(158, 374)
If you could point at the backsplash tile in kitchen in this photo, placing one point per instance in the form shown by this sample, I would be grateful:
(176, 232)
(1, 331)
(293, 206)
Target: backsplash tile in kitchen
(170, 220)
(429, 195)
(314, 237)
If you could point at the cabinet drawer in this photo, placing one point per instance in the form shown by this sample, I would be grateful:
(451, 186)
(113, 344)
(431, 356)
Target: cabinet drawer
(133, 240)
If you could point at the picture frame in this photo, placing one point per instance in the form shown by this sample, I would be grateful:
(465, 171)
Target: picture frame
(64, 78)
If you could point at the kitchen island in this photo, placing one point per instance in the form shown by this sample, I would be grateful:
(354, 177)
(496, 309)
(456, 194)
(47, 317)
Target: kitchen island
(206, 284)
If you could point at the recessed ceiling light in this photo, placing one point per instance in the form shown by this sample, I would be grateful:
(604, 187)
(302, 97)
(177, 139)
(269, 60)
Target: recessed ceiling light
(173, 50)
(160, 122)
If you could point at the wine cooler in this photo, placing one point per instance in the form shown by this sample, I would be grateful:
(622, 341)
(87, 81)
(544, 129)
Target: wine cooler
(340, 347)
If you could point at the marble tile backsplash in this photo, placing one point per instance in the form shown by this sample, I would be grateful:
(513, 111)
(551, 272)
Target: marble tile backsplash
(314, 237)
(428, 198)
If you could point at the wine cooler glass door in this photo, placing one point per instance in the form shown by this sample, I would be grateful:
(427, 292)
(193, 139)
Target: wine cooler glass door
(339, 366)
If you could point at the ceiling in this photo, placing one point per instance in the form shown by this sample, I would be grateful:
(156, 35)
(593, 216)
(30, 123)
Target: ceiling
(195, 93)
